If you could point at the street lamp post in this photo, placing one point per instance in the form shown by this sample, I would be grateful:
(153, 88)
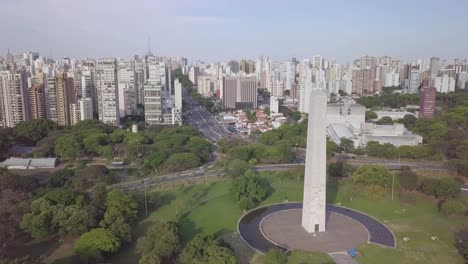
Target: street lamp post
(146, 200)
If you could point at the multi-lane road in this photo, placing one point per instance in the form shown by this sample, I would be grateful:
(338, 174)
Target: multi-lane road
(198, 117)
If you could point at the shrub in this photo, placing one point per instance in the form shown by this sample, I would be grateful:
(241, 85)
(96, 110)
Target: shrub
(429, 186)
(447, 188)
(408, 180)
(375, 192)
(453, 207)
(372, 175)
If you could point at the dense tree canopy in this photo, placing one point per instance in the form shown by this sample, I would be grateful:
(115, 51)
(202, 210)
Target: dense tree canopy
(33, 130)
(248, 190)
(92, 245)
(206, 249)
(161, 240)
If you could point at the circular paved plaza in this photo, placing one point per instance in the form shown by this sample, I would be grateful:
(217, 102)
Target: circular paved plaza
(279, 226)
(284, 228)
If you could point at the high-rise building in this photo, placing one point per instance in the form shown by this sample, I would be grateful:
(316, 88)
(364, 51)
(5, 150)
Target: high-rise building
(427, 102)
(392, 79)
(414, 81)
(127, 89)
(14, 94)
(247, 66)
(240, 92)
(64, 88)
(234, 65)
(274, 104)
(89, 88)
(193, 74)
(37, 104)
(107, 91)
(153, 103)
(444, 84)
(177, 95)
(434, 66)
(363, 81)
(368, 62)
(86, 108)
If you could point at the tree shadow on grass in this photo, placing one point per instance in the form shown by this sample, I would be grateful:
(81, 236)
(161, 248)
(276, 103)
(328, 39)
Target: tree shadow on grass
(188, 229)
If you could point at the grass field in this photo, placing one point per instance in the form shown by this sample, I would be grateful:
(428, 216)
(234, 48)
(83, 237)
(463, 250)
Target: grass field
(208, 208)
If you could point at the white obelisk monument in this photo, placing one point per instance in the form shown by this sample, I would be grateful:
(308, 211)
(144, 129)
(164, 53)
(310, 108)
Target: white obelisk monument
(314, 211)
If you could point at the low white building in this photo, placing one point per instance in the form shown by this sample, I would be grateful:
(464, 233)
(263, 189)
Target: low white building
(394, 115)
(24, 164)
(363, 133)
(342, 114)
(274, 104)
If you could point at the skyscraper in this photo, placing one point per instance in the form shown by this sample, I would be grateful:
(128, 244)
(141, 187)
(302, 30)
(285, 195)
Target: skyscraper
(240, 92)
(65, 96)
(414, 81)
(427, 102)
(363, 81)
(107, 90)
(37, 101)
(434, 66)
(14, 94)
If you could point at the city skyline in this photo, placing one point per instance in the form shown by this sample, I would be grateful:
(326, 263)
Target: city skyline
(223, 30)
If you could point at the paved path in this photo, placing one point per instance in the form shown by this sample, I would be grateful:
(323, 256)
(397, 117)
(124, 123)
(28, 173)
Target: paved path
(342, 258)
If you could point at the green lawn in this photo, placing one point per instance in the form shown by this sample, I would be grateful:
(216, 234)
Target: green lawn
(208, 208)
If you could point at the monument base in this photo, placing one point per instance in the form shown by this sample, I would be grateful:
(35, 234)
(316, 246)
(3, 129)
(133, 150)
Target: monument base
(284, 229)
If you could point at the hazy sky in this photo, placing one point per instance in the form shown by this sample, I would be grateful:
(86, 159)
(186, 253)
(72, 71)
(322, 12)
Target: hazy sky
(221, 29)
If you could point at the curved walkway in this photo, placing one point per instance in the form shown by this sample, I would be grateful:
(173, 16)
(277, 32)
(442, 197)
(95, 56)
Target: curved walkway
(249, 226)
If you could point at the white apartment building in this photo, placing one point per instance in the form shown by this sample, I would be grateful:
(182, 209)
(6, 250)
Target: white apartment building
(444, 84)
(13, 94)
(107, 91)
(86, 108)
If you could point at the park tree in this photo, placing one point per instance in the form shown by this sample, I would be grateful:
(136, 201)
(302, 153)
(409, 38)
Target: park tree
(97, 204)
(453, 208)
(447, 187)
(269, 138)
(409, 121)
(71, 220)
(38, 223)
(149, 259)
(60, 196)
(155, 159)
(34, 130)
(206, 249)
(408, 180)
(346, 145)
(432, 130)
(238, 167)
(372, 175)
(9, 180)
(275, 256)
(92, 245)
(296, 116)
(386, 120)
(370, 115)
(13, 205)
(121, 211)
(61, 177)
(92, 142)
(429, 186)
(161, 240)
(248, 187)
(375, 149)
(68, 147)
(199, 147)
(182, 161)
(332, 148)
